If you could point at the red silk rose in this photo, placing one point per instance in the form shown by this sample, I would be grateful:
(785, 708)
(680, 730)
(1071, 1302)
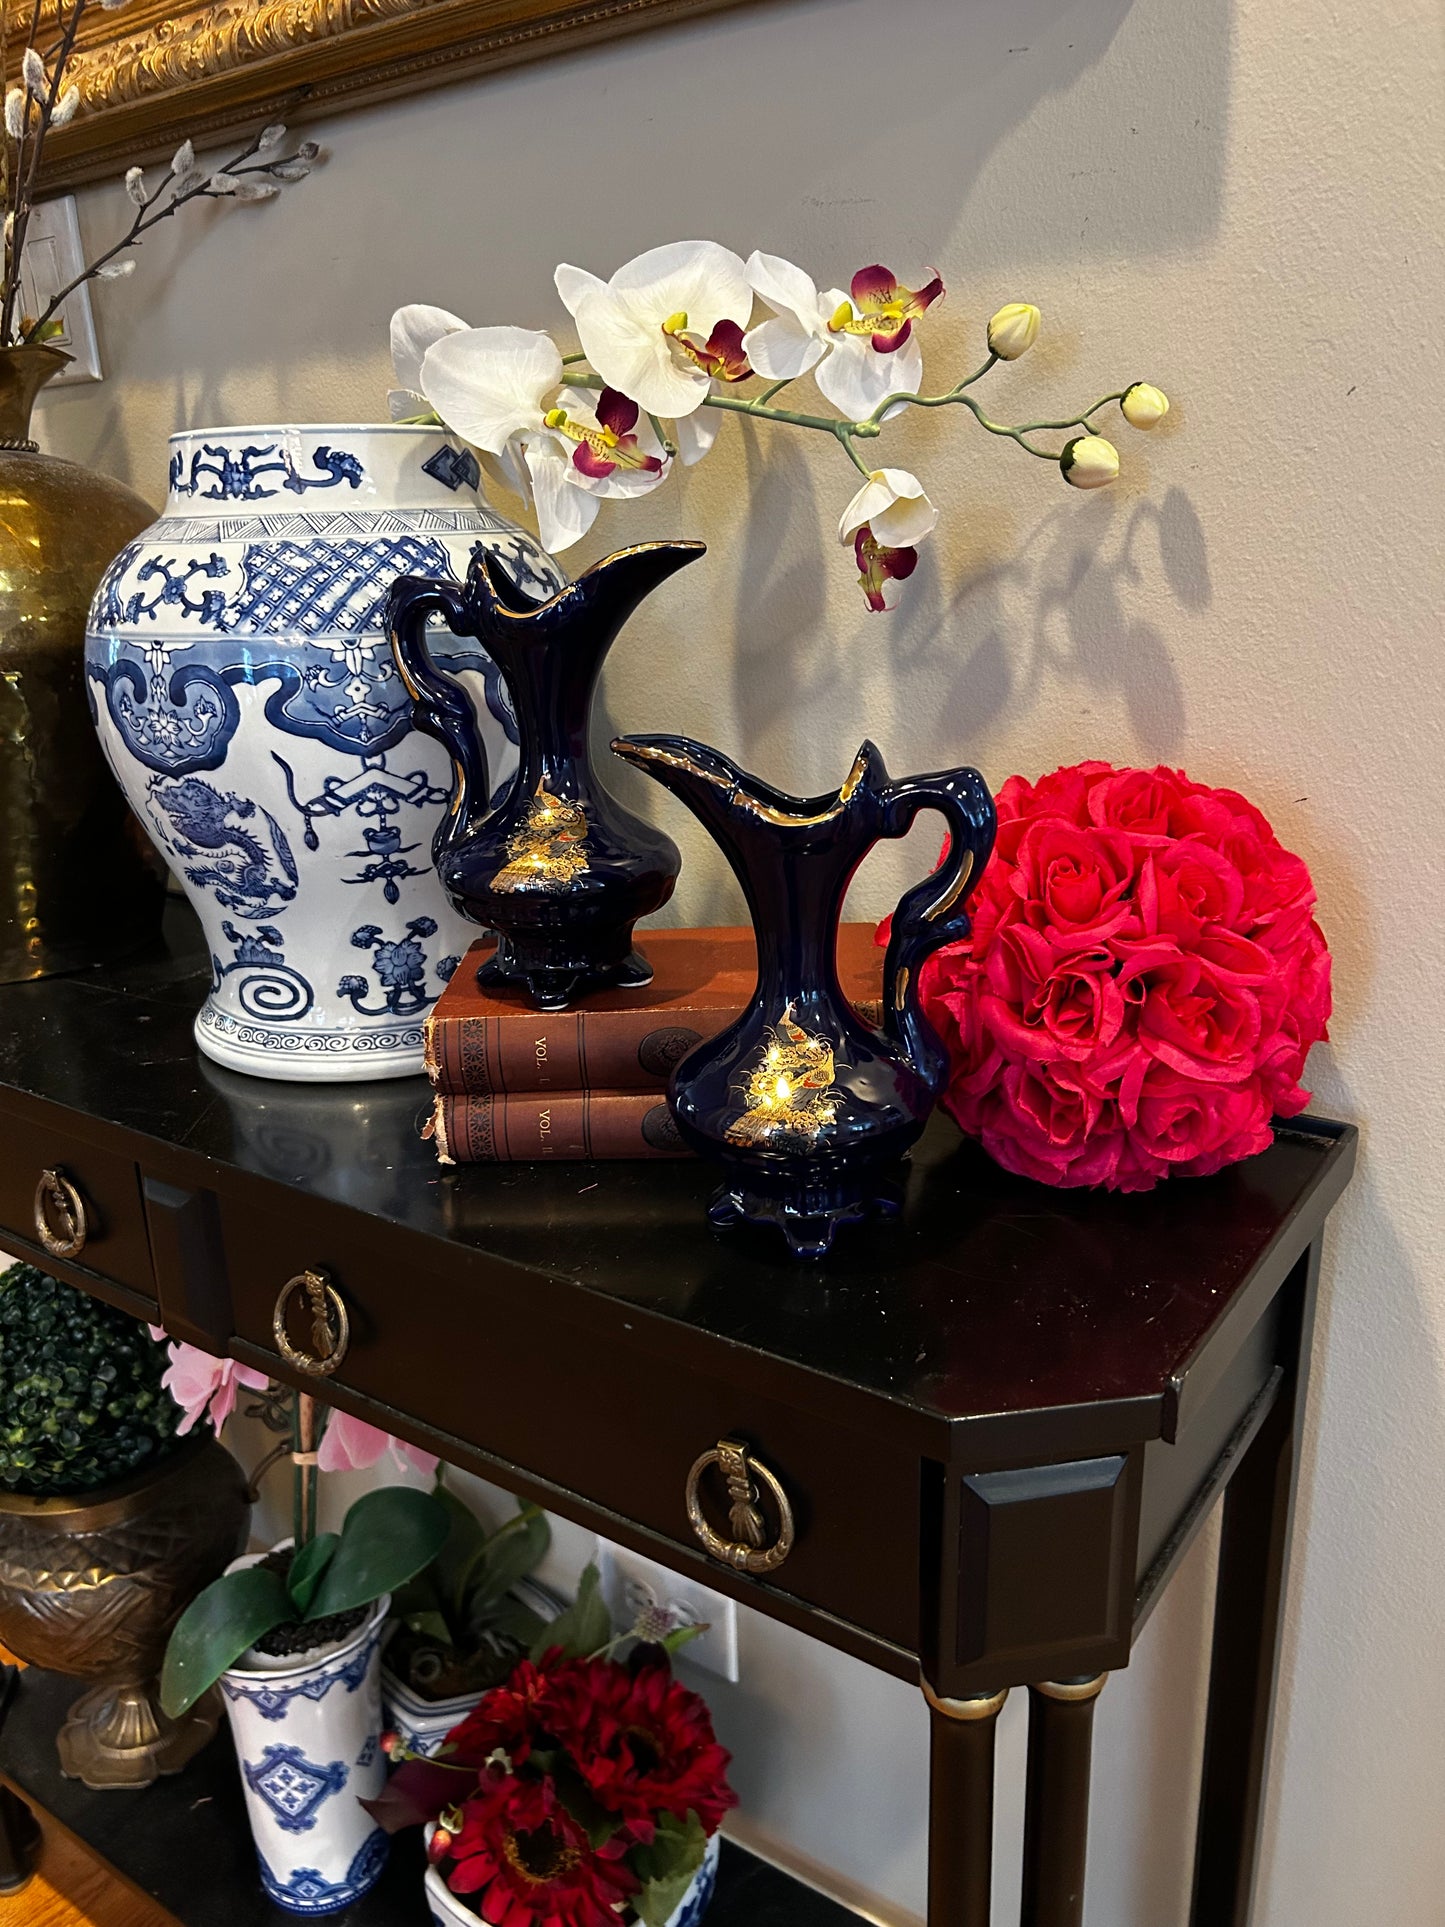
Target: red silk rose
(1142, 986)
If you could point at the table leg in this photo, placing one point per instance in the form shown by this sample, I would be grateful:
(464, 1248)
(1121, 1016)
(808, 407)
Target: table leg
(1056, 1810)
(960, 1830)
(19, 1842)
(1249, 1595)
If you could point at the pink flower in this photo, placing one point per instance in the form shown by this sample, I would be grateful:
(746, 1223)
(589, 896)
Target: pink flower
(205, 1387)
(351, 1445)
(1142, 985)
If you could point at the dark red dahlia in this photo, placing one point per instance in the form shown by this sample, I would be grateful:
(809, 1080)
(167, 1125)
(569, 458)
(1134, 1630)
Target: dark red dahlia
(643, 1744)
(523, 1861)
(509, 1717)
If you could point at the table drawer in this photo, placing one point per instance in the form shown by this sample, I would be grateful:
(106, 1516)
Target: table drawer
(92, 1200)
(592, 1408)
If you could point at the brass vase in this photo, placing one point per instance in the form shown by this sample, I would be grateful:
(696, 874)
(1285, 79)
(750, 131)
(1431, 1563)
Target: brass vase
(77, 885)
(92, 1583)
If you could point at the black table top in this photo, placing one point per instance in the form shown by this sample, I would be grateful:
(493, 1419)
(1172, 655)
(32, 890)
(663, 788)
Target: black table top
(991, 1295)
(185, 1841)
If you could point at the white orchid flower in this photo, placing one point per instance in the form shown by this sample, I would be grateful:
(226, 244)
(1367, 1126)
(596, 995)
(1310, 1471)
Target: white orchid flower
(1144, 405)
(885, 521)
(894, 504)
(501, 388)
(795, 336)
(665, 324)
(415, 329)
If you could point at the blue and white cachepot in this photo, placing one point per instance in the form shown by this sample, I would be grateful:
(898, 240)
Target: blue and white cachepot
(451, 1910)
(422, 1724)
(245, 695)
(308, 1743)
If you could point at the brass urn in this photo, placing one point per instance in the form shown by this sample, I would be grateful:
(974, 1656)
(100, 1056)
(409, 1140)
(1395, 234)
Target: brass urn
(77, 884)
(92, 1583)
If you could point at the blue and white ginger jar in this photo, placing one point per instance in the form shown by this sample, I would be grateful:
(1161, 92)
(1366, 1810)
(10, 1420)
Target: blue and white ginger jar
(245, 695)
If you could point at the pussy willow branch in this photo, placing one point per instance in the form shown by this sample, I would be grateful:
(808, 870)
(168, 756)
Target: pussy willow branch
(22, 193)
(156, 210)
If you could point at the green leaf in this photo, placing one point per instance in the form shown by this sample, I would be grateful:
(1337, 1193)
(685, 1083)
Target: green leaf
(216, 1628)
(667, 1867)
(577, 1797)
(466, 1538)
(512, 1552)
(307, 1568)
(418, 1595)
(683, 1636)
(515, 1619)
(387, 1538)
(430, 1626)
(585, 1628)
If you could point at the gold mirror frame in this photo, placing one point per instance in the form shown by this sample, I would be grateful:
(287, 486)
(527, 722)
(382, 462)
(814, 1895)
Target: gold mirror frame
(157, 73)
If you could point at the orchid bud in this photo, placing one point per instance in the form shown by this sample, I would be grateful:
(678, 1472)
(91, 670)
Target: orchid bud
(115, 270)
(135, 186)
(65, 108)
(1144, 405)
(15, 113)
(32, 69)
(1090, 462)
(1013, 330)
(184, 158)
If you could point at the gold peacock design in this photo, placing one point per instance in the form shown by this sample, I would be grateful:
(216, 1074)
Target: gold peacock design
(789, 1095)
(546, 852)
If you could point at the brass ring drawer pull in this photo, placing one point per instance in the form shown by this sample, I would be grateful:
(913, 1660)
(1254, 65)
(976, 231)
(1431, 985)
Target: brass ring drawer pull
(62, 1222)
(747, 1550)
(330, 1324)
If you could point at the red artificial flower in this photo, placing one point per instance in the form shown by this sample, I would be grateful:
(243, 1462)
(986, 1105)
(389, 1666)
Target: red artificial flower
(643, 1744)
(523, 1861)
(1143, 982)
(508, 1717)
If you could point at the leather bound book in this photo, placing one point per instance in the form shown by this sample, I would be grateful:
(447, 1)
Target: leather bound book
(482, 1042)
(528, 1128)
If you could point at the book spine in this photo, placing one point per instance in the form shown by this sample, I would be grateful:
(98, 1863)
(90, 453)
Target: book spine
(570, 1050)
(532, 1128)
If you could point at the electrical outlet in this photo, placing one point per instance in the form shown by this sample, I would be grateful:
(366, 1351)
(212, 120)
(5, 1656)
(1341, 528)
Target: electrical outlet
(52, 259)
(632, 1585)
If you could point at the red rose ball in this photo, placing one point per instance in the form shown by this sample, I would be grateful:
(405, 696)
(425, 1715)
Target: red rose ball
(1143, 983)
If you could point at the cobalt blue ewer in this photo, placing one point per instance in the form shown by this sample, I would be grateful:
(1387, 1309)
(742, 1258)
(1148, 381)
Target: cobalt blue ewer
(554, 863)
(809, 1108)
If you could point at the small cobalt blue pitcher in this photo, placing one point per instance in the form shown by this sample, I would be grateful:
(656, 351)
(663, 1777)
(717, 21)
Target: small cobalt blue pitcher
(555, 865)
(809, 1108)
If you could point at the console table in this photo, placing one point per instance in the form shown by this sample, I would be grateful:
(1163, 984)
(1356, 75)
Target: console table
(981, 1437)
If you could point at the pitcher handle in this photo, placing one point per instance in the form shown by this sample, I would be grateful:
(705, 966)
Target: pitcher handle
(934, 912)
(439, 705)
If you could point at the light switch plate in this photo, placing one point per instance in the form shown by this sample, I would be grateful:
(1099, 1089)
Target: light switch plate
(632, 1585)
(53, 257)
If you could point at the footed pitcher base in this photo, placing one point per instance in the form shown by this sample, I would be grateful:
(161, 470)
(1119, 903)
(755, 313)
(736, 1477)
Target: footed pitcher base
(809, 1212)
(557, 986)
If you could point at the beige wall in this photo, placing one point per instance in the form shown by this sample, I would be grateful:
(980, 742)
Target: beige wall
(1239, 199)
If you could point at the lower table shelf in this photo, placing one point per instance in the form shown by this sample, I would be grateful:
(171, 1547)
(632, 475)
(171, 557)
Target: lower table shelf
(185, 1841)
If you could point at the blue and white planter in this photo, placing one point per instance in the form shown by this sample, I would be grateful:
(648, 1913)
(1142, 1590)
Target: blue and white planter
(308, 1741)
(244, 692)
(423, 1724)
(450, 1910)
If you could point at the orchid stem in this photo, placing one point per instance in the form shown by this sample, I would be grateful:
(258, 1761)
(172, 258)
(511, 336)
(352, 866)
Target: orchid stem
(669, 447)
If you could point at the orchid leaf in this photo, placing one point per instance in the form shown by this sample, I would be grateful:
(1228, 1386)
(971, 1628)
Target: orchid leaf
(586, 1626)
(218, 1626)
(307, 1568)
(516, 1620)
(667, 1866)
(388, 1536)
